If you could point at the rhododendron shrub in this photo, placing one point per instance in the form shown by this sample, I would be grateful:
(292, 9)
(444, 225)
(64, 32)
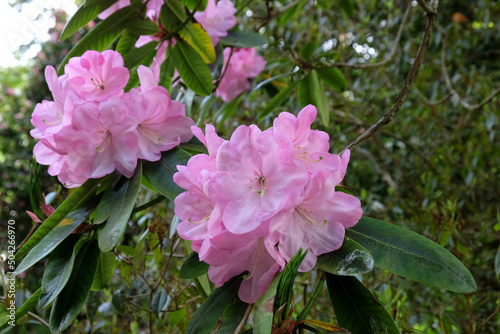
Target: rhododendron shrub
(93, 127)
(260, 197)
(258, 207)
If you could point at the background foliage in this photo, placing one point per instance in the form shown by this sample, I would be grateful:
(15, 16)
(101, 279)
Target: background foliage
(433, 169)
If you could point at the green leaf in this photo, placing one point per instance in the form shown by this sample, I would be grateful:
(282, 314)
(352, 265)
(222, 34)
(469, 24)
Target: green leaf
(160, 302)
(174, 15)
(356, 308)
(118, 301)
(167, 70)
(27, 306)
(350, 259)
(35, 191)
(142, 26)
(176, 316)
(311, 91)
(291, 12)
(126, 43)
(333, 78)
(411, 255)
(263, 319)
(85, 13)
(243, 39)
(105, 269)
(138, 56)
(69, 302)
(307, 51)
(101, 36)
(193, 267)
(207, 315)
(192, 68)
(232, 316)
(497, 263)
(124, 196)
(277, 100)
(53, 238)
(160, 173)
(77, 198)
(191, 4)
(58, 270)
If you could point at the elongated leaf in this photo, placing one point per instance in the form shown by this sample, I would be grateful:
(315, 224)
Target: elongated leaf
(207, 315)
(77, 198)
(411, 255)
(85, 13)
(307, 51)
(232, 316)
(193, 267)
(101, 36)
(243, 39)
(263, 319)
(105, 269)
(21, 311)
(347, 6)
(174, 16)
(191, 4)
(58, 270)
(351, 259)
(160, 302)
(160, 173)
(124, 196)
(334, 78)
(291, 12)
(277, 100)
(126, 43)
(311, 91)
(144, 54)
(53, 238)
(141, 26)
(192, 69)
(70, 301)
(356, 308)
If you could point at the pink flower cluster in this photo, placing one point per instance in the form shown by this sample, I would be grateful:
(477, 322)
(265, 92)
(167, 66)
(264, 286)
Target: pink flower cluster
(260, 196)
(92, 127)
(240, 66)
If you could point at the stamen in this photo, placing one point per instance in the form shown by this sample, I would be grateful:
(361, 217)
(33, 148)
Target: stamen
(98, 84)
(302, 153)
(150, 134)
(106, 140)
(303, 217)
(259, 259)
(260, 183)
(207, 217)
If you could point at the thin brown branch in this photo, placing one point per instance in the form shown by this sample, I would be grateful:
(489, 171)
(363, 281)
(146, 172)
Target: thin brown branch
(388, 58)
(412, 74)
(428, 9)
(244, 320)
(429, 102)
(38, 318)
(494, 312)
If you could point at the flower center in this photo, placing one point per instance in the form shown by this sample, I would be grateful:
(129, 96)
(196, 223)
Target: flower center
(98, 84)
(149, 133)
(302, 216)
(259, 185)
(105, 141)
(301, 153)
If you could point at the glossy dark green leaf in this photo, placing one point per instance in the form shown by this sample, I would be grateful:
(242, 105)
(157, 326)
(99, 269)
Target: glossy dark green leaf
(167, 70)
(334, 78)
(192, 69)
(243, 39)
(53, 238)
(137, 56)
(85, 13)
(232, 316)
(411, 255)
(77, 198)
(277, 100)
(141, 26)
(101, 36)
(69, 302)
(27, 306)
(35, 191)
(124, 196)
(160, 173)
(160, 302)
(350, 259)
(311, 91)
(356, 308)
(105, 269)
(58, 270)
(192, 4)
(126, 43)
(207, 315)
(193, 267)
(307, 50)
(119, 301)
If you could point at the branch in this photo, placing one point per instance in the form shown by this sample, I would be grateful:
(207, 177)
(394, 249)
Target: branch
(244, 320)
(428, 9)
(387, 59)
(406, 88)
(429, 102)
(453, 91)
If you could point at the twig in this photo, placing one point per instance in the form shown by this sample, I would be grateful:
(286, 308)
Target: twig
(406, 87)
(426, 7)
(453, 91)
(494, 312)
(429, 102)
(30, 233)
(244, 320)
(40, 319)
(387, 59)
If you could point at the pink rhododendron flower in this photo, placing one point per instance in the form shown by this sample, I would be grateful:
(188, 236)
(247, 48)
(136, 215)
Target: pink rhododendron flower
(93, 127)
(259, 197)
(217, 19)
(113, 8)
(243, 65)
